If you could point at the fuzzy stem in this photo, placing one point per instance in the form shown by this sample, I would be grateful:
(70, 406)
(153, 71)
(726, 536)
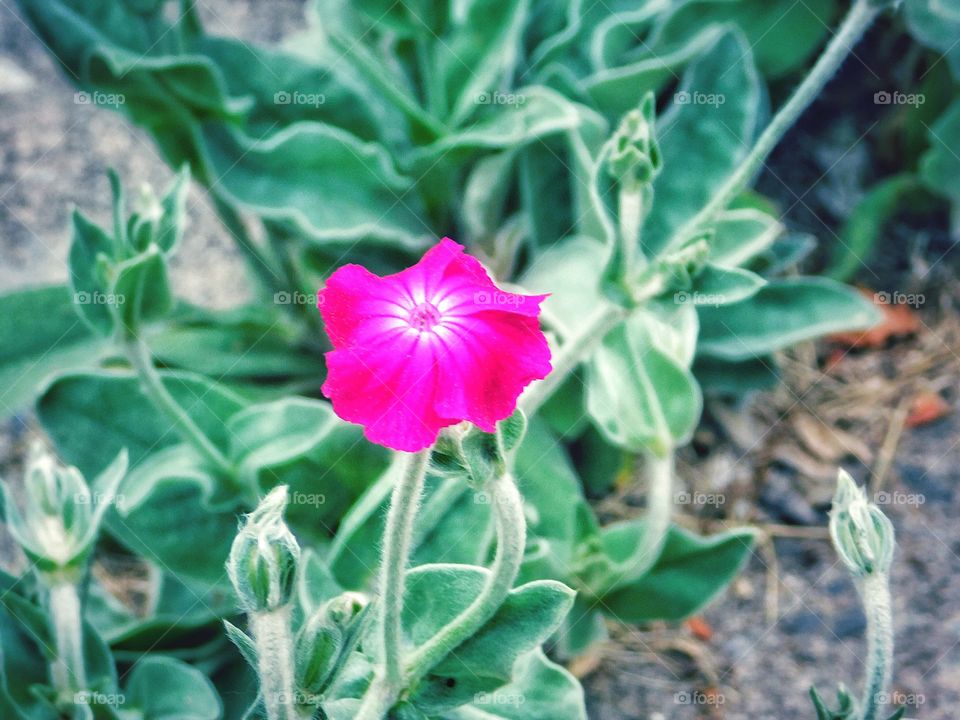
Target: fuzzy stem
(571, 354)
(152, 384)
(67, 670)
(861, 15)
(660, 471)
(630, 217)
(875, 591)
(511, 538)
(396, 554)
(273, 638)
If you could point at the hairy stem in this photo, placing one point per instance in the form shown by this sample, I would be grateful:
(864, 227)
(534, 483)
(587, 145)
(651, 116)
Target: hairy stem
(861, 15)
(396, 554)
(273, 638)
(139, 356)
(511, 538)
(876, 599)
(67, 670)
(659, 510)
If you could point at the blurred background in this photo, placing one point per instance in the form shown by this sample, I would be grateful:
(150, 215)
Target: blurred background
(881, 405)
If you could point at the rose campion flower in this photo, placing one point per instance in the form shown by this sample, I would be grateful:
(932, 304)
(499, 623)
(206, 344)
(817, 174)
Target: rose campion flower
(428, 347)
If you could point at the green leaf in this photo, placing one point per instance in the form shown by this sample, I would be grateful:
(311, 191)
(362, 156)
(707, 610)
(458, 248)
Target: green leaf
(865, 225)
(782, 34)
(40, 335)
(478, 51)
(141, 289)
(716, 285)
(713, 117)
(167, 689)
(689, 572)
(300, 443)
(936, 23)
(781, 314)
(939, 166)
(742, 234)
(541, 690)
(277, 178)
(93, 415)
(240, 343)
(638, 395)
(486, 660)
(736, 379)
(90, 249)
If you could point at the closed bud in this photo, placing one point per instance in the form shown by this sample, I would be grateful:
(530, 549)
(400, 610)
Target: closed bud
(318, 647)
(634, 157)
(862, 535)
(58, 522)
(263, 560)
(344, 609)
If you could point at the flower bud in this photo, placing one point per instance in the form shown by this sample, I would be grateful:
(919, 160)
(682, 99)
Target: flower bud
(263, 560)
(344, 609)
(634, 158)
(58, 523)
(318, 647)
(862, 535)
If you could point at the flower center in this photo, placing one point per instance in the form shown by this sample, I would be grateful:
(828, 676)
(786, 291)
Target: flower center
(424, 316)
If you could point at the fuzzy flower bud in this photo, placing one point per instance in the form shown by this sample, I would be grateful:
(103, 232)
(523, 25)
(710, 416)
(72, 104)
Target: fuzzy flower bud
(862, 535)
(58, 522)
(264, 557)
(634, 158)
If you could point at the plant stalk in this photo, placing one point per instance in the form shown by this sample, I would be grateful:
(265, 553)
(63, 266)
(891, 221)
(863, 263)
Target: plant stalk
(861, 15)
(875, 590)
(511, 538)
(660, 470)
(68, 669)
(396, 554)
(139, 356)
(273, 639)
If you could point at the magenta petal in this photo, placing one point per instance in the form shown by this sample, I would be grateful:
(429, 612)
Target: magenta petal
(428, 347)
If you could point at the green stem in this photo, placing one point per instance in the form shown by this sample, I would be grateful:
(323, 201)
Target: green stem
(876, 600)
(630, 218)
(571, 354)
(396, 554)
(511, 539)
(273, 638)
(67, 670)
(861, 15)
(139, 356)
(660, 470)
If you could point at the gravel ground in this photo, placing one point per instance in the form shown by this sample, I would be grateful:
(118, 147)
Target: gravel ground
(791, 620)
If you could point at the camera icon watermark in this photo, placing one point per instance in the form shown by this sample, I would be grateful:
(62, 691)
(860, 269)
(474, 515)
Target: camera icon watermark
(99, 298)
(885, 97)
(501, 98)
(499, 698)
(686, 97)
(311, 499)
(296, 97)
(284, 297)
(498, 298)
(94, 697)
(697, 697)
(686, 297)
(700, 498)
(896, 297)
(101, 99)
(899, 498)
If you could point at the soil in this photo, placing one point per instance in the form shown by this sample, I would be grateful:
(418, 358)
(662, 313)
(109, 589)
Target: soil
(792, 618)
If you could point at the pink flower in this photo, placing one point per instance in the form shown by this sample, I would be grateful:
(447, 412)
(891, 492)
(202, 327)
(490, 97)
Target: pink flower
(428, 347)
